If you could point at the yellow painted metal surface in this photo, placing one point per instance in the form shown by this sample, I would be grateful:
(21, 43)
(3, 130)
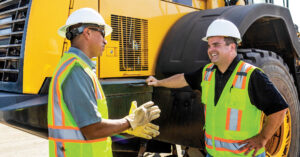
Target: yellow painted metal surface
(43, 46)
(161, 15)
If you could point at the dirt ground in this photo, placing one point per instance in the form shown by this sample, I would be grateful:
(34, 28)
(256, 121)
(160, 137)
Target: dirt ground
(17, 143)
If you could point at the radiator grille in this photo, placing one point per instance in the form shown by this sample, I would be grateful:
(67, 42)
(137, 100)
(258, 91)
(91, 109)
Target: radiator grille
(132, 34)
(12, 21)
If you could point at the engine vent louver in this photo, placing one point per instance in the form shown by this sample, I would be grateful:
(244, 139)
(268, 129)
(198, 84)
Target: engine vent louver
(132, 34)
(12, 22)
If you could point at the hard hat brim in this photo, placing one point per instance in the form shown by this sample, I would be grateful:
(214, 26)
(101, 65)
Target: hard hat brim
(206, 39)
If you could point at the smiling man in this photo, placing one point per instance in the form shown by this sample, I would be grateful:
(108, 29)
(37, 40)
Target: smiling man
(235, 94)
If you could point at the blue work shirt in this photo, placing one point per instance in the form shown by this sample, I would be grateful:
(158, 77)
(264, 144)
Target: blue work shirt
(79, 94)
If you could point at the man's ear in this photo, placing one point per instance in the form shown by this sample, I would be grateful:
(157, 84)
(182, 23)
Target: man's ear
(233, 46)
(86, 33)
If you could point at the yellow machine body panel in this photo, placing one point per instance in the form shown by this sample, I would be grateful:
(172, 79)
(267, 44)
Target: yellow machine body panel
(132, 49)
(43, 45)
(140, 27)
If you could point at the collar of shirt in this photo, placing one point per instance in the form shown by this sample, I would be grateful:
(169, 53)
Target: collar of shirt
(81, 55)
(231, 67)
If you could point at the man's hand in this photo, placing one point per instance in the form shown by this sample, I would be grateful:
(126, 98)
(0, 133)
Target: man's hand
(147, 131)
(254, 143)
(143, 114)
(152, 81)
(175, 81)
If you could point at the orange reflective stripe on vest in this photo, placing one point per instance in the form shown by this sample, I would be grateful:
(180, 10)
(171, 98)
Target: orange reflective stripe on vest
(208, 141)
(58, 117)
(233, 120)
(241, 76)
(223, 144)
(208, 73)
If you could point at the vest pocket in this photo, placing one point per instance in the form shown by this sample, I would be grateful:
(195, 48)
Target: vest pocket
(237, 98)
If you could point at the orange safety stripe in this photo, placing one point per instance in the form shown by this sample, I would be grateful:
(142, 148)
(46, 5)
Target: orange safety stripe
(63, 127)
(77, 141)
(55, 148)
(227, 140)
(95, 85)
(204, 75)
(53, 119)
(239, 120)
(208, 136)
(208, 146)
(58, 93)
(206, 71)
(229, 150)
(239, 69)
(244, 79)
(228, 118)
(210, 76)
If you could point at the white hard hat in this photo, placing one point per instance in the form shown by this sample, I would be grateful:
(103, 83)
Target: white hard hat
(84, 15)
(221, 27)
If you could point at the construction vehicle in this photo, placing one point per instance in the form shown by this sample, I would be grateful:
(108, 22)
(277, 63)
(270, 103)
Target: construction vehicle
(150, 37)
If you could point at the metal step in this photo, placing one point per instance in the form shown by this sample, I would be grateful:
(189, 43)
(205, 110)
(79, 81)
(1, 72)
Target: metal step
(9, 58)
(8, 3)
(11, 45)
(9, 70)
(8, 24)
(10, 12)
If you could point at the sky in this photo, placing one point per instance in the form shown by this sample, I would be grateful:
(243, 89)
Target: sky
(295, 11)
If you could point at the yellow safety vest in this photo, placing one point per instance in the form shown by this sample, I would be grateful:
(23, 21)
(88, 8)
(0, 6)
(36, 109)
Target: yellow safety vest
(234, 118)
(65, 138)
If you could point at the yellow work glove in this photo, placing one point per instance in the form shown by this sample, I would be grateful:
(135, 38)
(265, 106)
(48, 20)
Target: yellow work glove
(147, 131)
(143, 114)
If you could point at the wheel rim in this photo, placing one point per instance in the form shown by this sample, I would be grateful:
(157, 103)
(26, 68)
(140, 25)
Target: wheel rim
(279, 144)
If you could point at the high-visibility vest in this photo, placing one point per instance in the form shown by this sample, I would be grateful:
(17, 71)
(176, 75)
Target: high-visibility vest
(65, 138)
(233, 118)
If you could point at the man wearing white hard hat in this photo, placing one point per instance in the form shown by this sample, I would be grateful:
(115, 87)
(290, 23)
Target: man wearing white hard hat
(235, 94)
(78, 121)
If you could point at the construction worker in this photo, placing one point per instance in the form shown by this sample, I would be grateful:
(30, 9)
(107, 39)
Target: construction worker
(77, 113)
(235, 94)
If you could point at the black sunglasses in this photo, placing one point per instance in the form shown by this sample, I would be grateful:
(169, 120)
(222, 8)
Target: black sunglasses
(101, 30)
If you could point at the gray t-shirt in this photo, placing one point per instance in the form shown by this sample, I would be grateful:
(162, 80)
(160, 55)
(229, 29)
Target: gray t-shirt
(78, 93)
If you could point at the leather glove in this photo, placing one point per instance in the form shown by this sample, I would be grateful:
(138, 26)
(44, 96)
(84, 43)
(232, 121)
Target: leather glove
(147, 131)
(143, 114)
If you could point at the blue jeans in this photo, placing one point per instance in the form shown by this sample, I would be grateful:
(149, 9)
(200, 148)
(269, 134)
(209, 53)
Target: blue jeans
(260, 155)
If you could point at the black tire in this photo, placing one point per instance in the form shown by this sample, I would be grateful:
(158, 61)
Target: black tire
(278, 72)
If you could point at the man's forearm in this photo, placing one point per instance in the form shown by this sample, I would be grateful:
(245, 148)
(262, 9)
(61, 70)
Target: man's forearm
(105, 128)
(175, 81)
(273, 122)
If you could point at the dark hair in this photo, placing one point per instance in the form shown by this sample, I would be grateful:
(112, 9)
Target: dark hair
(230, 40)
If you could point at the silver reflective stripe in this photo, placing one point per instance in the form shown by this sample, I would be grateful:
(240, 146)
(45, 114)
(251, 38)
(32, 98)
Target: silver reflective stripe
(98, 91)
(208, 73)
(234, 113)
(226, 145)
(57, 109)
(66, 134)
(239, 81)
(59, 149)
(241, 74)
(208, 141)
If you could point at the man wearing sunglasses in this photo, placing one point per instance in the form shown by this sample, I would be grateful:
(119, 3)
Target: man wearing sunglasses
(78, 121)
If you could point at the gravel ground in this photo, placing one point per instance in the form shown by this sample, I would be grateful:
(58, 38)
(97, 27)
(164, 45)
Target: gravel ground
(17, 143)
